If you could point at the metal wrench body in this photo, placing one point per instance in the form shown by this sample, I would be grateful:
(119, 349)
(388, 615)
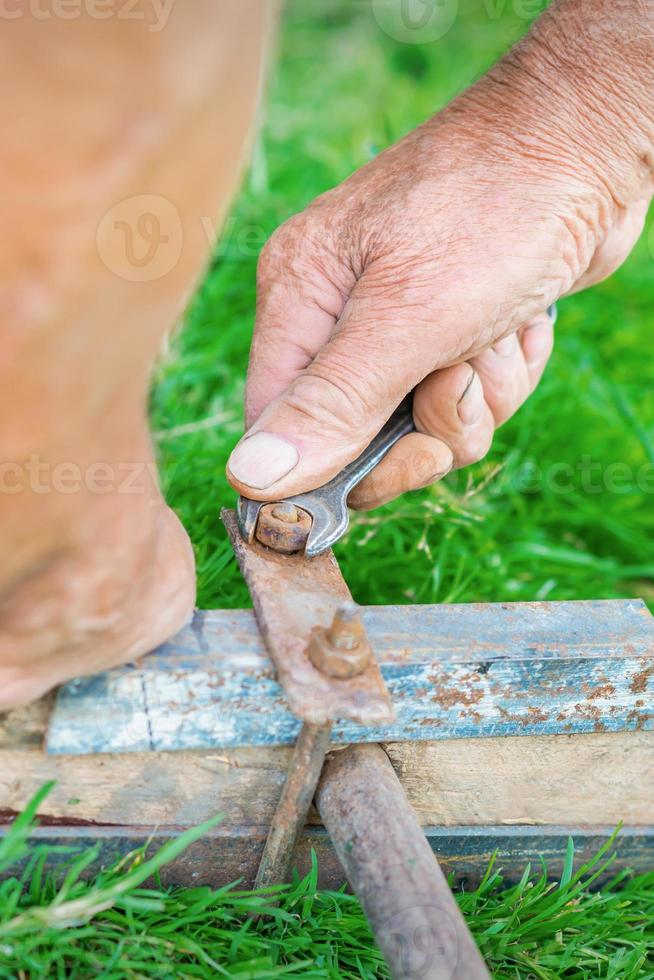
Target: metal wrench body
(327, 505)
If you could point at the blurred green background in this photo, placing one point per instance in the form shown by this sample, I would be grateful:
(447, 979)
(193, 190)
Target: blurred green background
(546, 515)
(562, 506)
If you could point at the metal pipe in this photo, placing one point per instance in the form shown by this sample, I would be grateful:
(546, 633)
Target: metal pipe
(393, 870)
(293, 807)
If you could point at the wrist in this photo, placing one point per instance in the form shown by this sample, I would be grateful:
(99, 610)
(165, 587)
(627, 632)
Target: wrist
(582, 78)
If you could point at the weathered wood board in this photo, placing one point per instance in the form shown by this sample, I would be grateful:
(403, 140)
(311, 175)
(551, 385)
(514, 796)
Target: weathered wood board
(551, 779)
(232, 854)
(576, 677)
(521, 796)
(458, 671)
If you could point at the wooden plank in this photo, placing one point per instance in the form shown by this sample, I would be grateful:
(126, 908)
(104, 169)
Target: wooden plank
(458, 671)
(553, 779)
(567, 779)
(232, 854)
(26, 726)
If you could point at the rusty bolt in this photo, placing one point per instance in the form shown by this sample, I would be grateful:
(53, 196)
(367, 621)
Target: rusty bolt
(346, 631)
(283, 527)
(341, 650)
(286, 512)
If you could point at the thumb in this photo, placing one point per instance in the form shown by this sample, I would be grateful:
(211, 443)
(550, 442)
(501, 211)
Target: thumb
(331, 411)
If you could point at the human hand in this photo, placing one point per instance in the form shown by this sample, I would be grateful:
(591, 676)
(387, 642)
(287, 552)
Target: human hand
(430, 269)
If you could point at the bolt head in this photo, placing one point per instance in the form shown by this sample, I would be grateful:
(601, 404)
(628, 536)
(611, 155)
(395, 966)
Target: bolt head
(286, 512)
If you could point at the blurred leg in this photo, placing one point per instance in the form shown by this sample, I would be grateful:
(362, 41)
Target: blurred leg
(124, 131)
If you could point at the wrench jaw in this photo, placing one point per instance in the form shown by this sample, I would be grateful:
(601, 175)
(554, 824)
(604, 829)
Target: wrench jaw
(329, 524)
(327, 505)
(329, 520)
(247, 515)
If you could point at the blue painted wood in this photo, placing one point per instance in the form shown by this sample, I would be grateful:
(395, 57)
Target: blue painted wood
(453, 671)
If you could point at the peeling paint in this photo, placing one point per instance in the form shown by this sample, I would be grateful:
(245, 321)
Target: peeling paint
(222, 692)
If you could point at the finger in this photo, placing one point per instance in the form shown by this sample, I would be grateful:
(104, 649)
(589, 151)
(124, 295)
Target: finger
(453, 402)
(450, 405)
(512, 367)
(299, 299)
(616, 246)
(330, 413)
(537, 341)
(504, 377)
(415, 461)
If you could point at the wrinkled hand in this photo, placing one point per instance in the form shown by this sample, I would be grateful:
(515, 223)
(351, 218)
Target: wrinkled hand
(428, 269)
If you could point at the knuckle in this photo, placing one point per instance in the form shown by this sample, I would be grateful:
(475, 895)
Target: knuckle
(508, 402)
(476, 445)
(282, 247)
(333, 403)
(297, 257)
(429, 466)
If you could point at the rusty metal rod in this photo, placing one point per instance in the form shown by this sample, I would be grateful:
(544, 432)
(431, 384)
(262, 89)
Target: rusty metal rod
(291, 813)
(392, 869)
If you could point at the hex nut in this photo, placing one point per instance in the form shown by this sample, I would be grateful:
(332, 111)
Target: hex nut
(338, 662)
(276, 531)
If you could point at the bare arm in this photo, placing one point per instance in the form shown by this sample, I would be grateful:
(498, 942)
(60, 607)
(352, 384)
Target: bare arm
(431, 267)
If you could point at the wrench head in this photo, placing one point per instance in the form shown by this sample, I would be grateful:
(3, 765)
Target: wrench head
(327, 505)
(328, 512)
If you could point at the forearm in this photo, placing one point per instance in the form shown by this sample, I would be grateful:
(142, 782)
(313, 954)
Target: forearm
(586, 74)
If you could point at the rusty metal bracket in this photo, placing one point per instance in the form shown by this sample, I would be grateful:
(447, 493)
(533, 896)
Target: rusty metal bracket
(324, 663)
(317, 641)
(294, 601)
(292, 810)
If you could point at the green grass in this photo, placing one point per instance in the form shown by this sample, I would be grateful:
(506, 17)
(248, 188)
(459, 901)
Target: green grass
(340, 91)
(115, 928)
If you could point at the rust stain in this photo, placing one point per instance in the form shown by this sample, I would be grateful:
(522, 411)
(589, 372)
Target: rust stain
(604, 691)
(639, 718)
(639, 681)
(448, 698)
(534, 715)
(588, 712)
(7, 816)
